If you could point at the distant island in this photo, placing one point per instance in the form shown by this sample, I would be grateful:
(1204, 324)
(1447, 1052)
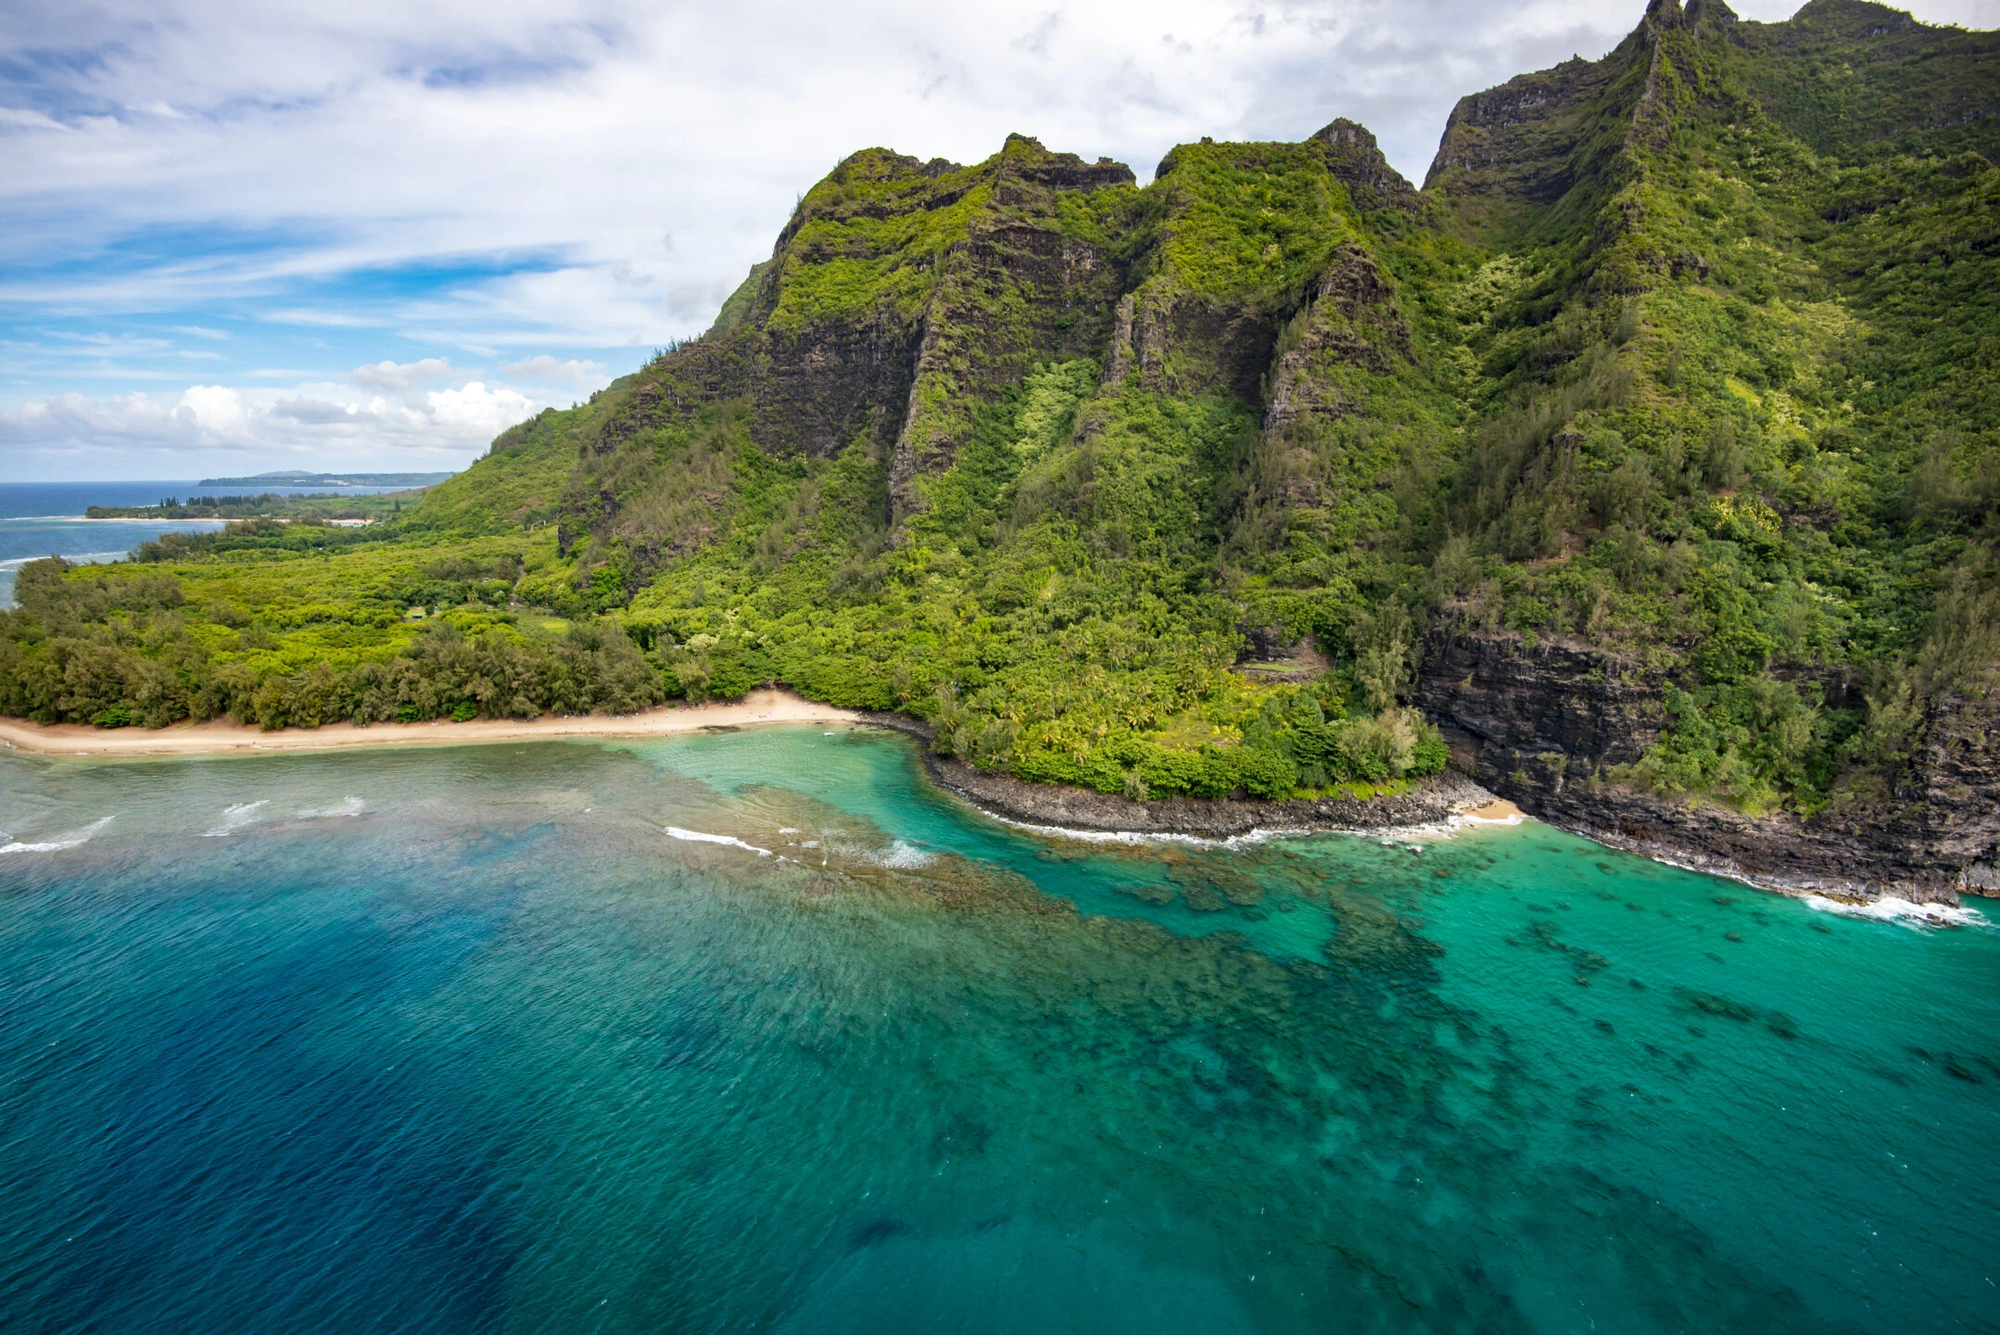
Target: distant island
(293, 478)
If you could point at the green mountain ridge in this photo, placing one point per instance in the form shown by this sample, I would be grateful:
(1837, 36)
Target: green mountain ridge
(1645, 458)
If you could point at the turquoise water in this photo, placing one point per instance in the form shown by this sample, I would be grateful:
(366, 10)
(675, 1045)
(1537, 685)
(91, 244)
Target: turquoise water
(465, 1039)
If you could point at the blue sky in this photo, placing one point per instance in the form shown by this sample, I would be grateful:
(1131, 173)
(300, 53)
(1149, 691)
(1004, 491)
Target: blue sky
(240, 235)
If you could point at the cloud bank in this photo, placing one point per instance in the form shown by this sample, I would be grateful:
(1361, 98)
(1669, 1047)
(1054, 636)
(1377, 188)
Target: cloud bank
(409, 427)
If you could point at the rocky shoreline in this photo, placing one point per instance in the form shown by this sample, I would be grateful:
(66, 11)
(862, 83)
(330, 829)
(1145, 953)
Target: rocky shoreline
(1547, 723)
(1777, 853)
(1431, 801)
(1633, 825)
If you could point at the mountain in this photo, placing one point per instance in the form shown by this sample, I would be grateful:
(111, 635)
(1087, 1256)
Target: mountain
(1645, 462)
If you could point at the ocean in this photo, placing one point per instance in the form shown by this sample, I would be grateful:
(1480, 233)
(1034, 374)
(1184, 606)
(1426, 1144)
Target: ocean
(760, 1031)
(39, 519)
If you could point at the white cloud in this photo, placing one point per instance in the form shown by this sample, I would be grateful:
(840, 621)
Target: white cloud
(29, 120)
(67, 344)
(325, 319)
(211, 426)
(215, 409)
(401, 378)
(315, 412)
(116, 422)
(573, 373)
(476, 412)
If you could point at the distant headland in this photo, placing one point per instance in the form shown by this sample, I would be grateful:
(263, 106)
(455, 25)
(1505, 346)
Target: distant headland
(298, 479)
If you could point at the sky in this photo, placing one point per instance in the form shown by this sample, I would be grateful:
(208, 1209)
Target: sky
(239, 235)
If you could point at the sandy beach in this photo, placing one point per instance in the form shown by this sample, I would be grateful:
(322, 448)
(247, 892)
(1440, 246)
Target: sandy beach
(222, 738)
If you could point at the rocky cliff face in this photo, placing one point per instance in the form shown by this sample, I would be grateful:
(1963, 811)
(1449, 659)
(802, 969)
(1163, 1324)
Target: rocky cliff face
(1350, 319)
(1356, 161)
(900, 296)
(1520, 143)
(903, 291)
(1020, 288)
(904, 295)
(1546, 724)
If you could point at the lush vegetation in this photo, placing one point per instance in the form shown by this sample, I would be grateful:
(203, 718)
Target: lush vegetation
(299, 624)
(264, 505)
(1720, 404)
(1743, 428)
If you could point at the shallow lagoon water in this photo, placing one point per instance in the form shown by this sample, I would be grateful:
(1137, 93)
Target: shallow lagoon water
(465, 1039)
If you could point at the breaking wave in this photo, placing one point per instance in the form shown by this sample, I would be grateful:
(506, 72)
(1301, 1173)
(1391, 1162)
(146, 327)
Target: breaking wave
(1900, 911)
(901, 856)
(61, 841)
(698, 837)
(234, 818)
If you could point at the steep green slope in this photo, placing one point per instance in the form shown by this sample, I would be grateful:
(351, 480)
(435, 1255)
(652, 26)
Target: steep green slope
(1651, 446)
(1739, 411)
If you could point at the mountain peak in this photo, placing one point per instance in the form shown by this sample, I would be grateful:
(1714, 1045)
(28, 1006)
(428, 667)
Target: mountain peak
(1356, 160)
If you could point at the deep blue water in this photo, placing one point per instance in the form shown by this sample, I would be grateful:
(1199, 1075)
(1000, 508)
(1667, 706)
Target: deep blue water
(758, 1031)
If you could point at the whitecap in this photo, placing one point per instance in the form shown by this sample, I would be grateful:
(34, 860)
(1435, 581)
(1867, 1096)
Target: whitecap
(234, 818)
(903, 856)
(61, 841)
(698, 837)
(1113, 836)
(1903, 912)
(348, 806)
(1387, 835)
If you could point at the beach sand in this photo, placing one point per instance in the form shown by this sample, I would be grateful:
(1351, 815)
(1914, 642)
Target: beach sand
(1499, 809)
(222, 738)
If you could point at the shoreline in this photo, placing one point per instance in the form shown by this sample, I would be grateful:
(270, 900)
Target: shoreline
(1442, 801)
(1438, 801)
(219, 737)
